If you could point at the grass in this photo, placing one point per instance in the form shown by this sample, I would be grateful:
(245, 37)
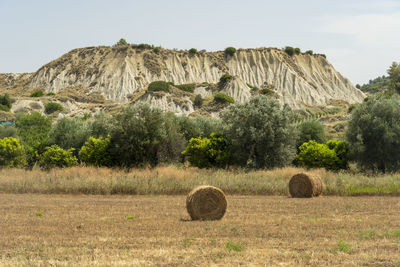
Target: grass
(171, 180)
(89, 230)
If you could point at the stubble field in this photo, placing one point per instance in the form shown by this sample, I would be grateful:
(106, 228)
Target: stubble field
(81, 230)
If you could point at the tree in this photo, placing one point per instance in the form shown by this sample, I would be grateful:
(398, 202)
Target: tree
(136, 136)
(5, 102)
(198, 101)
(374, 134)
(12, 154)
(33, 130)
(198, 126)
(230, 51)
(394, 76)
(260, 132)
(96, 152)
(56, 157)
(311, 130)
(121, 42)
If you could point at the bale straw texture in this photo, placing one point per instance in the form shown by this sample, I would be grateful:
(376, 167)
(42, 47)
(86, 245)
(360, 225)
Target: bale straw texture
(206, 203)
(305, 185)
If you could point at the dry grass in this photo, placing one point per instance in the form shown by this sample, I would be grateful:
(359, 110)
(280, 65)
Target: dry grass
(171, 180)
(66, 230)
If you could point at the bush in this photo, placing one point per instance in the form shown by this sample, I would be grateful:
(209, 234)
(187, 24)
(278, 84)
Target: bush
(198, 101)
(52, 107)
(192, 51)
(33, 130)
(121, 42)
(266, 91)
(314, 155)
(5, 102)
(186, 87)
(69, 133)
(136, 135)
(289, 50)
(223, 98)
(159, 86)
(311, 130)
(297, 51)
(157, 49)
(12, 154)
(230, 51)
(96, 152)
(342, 152)
(37, 93)
(225, 78)
(207, 152)
(7, 131)
(56, 157)
(374, 132)
(309, 52)
(261, 133)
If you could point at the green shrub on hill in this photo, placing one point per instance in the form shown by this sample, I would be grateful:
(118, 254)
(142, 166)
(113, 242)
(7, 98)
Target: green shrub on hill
(224, 79)
(5, 102)
(52, 107)
(192, 51)
(37, 93)
(189, 87)
(223, 98)
(157, 86)
(289, 50)
(230, 51)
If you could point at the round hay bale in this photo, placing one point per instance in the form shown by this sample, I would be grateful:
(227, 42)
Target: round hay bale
(206, 203)
(305, 185)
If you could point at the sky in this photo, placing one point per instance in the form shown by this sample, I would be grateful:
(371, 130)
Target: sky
(361, 38)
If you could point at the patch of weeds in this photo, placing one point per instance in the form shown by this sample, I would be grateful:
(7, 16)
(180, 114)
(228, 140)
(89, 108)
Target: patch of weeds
(213, 241)
(39, 213)
(342, 246)
(130, 217)
(368, 234)
(396, 233)
(234, 246)
(208, 228)
(186, 242)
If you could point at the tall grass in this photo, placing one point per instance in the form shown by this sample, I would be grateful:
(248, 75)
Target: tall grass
(174, 180)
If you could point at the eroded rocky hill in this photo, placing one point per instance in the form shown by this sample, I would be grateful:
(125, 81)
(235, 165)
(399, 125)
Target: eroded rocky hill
(92, 76)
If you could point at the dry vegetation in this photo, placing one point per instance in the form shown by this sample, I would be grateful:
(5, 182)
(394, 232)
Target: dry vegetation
(67, 230)
(170, 180)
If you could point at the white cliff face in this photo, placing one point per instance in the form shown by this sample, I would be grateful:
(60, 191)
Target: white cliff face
(120, 71)
(166, 102)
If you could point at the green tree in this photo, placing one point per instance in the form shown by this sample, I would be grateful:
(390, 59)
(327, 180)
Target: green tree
(394, 76)
(261, 133)
(33, 130)
(136, 136)
(96, 152)
(342, 152)
(121, 42)
(230, 51)
(198, 126)
(289, 50)
(5, 102)
(52, 107)
(311, 130)
(12, 154)
(374, 132)
(198, 101)
(56, 157)
(314, 155)
(207, 152)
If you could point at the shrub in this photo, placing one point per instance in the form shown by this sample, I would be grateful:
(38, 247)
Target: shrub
(69, 133)
(50, 94)
(33, 130)
(159, 86)
(157, 49)
(52, 107)
(198, 101)
(136, 134)
(207, 152)
(12, 154)
(373, 133)
(37, 93)
(121, 42)
(230, 51)
(289, 50)
(96, 152)
(186, 87)
(309, 52)
(342, 153)
(224, 79)
(7, 131)
(311, 130)
(261, 133)
(5, 102)
(267, 91)
(192, 51)
(314, 155)
(56, 157)
(323, 55)
(223, 98)
(297, 51)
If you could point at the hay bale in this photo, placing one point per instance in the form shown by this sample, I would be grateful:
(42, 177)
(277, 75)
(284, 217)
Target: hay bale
(206, 203)
(305, 185)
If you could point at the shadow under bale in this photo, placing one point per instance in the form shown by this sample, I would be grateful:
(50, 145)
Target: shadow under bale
(206, 203)
(305, 185)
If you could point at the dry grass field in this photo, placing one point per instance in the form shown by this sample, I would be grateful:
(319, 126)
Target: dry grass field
(90, 230)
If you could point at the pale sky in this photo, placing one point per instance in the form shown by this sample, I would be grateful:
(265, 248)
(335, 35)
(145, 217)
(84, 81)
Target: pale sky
(361, 38)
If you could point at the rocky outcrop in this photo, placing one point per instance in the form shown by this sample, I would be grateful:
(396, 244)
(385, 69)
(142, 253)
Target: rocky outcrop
(122, 71)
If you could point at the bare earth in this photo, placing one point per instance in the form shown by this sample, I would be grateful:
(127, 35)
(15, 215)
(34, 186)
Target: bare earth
(79, 230)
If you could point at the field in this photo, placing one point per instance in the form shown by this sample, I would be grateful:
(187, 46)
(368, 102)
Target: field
(94, 230)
